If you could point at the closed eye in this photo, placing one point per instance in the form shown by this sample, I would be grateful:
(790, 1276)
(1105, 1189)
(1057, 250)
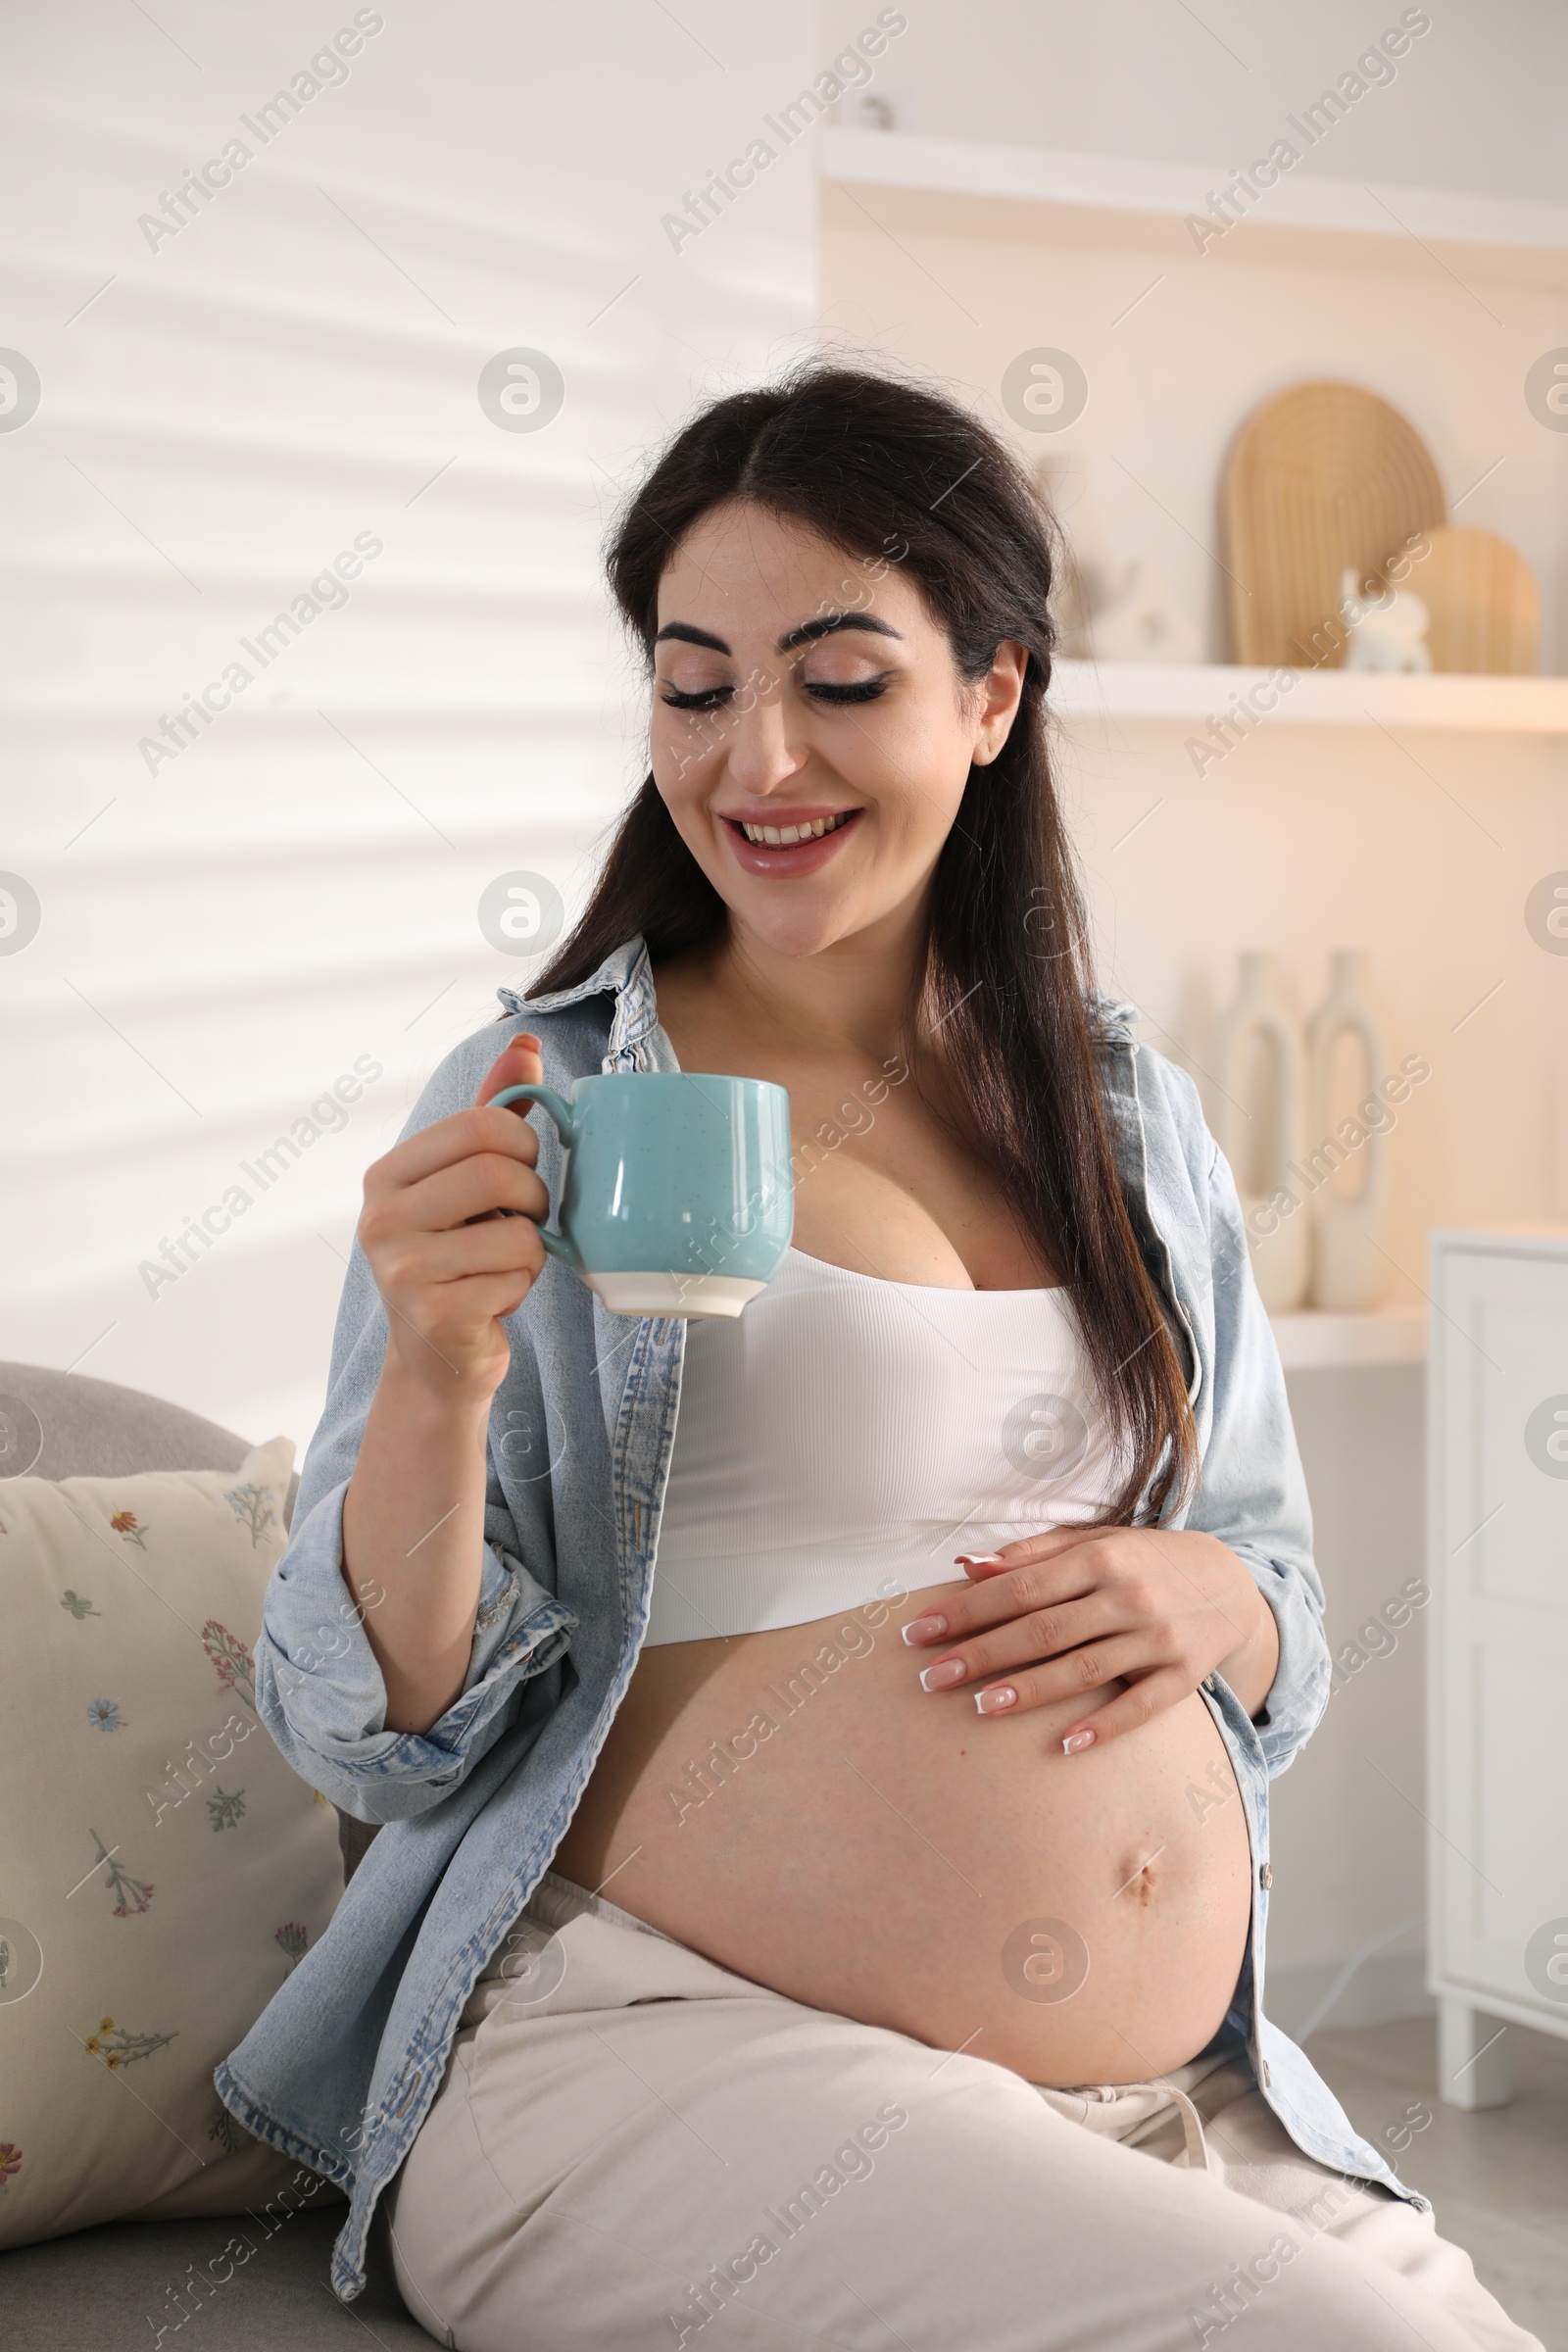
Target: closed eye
(711, 698)
(865, 690)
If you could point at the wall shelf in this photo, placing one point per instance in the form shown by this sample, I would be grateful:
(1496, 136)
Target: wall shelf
(1116, 199)
(1313, 1341)
(1200, 690)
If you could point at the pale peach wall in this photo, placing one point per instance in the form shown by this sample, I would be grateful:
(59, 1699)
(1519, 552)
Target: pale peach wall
(1418, 845)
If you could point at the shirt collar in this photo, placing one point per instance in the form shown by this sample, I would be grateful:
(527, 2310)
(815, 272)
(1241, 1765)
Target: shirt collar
(1114, 1018)
(626, 974)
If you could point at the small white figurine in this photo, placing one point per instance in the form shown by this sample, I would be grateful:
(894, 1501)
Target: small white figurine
(1387, 632)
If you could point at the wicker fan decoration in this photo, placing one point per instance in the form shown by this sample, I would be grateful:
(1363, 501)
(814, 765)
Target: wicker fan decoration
(1321, 478)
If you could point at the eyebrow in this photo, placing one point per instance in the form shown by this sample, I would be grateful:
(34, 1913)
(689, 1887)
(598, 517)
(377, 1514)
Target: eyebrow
(685, 633)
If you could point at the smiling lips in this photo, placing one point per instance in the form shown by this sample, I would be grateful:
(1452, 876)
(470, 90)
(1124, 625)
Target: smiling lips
(801, 846)
(804, 831)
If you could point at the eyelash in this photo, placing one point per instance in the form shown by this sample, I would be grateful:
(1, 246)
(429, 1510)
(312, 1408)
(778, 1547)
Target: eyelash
(866, 691)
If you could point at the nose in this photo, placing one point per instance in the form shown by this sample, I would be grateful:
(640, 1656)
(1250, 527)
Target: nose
(762, 758)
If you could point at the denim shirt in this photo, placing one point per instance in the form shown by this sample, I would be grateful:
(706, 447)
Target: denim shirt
(343, 2064)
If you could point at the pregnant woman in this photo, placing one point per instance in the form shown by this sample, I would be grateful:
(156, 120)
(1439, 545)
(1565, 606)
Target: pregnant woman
(824, 1753)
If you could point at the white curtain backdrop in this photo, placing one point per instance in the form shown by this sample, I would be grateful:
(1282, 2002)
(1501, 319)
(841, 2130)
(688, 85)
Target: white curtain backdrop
(306, 648)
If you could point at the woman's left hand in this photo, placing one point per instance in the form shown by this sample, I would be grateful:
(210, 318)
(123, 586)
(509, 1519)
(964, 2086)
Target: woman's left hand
(1159, 1608)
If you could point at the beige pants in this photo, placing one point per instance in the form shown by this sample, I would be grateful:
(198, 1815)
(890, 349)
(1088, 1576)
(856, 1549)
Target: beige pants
(634, 2148)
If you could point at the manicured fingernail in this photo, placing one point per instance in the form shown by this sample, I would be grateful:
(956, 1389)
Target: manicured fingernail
(925, 1629)
(995, 1702)
(978, 1559)
(1075, 1741)
(942, 1676)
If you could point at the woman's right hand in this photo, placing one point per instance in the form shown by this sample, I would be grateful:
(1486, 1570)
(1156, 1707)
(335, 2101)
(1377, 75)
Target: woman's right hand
(448, 1260)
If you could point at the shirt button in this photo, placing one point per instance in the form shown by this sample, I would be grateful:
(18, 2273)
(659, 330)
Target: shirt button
(1265, 1877)
(1208, 1682)
(1264, 2073)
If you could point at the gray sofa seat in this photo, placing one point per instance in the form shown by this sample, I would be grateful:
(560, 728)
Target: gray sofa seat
(113, 2286)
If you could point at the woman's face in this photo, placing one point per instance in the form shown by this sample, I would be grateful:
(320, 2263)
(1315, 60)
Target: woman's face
(808, 694)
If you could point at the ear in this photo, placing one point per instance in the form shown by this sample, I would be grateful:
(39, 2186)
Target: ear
(1000, 691)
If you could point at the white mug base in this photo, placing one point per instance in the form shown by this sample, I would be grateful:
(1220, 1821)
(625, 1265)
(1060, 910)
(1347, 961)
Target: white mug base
(686, 1295)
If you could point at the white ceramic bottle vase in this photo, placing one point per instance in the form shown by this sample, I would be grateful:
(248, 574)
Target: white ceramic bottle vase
(1280, 1241)
(1349, 1273)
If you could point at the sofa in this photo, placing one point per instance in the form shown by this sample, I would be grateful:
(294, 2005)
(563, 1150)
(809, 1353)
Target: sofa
(97, 2287)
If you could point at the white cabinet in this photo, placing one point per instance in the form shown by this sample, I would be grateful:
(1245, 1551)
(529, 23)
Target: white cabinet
(1497, 1663)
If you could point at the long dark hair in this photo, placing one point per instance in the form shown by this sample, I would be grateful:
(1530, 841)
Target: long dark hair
(876, 465)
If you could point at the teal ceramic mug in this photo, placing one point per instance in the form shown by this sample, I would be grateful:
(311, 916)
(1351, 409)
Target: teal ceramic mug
(678, 1196)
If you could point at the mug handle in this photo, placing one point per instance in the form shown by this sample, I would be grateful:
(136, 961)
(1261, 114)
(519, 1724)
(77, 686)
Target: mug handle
(558, 1245)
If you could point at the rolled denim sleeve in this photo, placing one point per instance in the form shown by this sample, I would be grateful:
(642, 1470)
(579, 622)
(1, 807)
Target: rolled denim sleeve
(320, 1692)
(1253, 1490)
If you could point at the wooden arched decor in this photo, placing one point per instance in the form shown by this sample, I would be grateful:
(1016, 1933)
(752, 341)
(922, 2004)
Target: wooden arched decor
(1321, 478)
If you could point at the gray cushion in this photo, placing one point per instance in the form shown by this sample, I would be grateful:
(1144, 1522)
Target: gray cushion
(96, 2290)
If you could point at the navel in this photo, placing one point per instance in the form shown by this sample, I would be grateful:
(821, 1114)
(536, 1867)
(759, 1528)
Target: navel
(1141, 1875)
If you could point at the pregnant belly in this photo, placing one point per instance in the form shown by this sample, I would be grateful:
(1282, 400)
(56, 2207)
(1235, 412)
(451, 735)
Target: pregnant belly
(793, 1805)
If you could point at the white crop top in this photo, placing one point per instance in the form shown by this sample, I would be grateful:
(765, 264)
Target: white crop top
(843, 1438)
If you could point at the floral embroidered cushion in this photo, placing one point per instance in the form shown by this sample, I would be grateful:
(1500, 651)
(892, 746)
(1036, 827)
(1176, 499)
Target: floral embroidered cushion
(161, 1868)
